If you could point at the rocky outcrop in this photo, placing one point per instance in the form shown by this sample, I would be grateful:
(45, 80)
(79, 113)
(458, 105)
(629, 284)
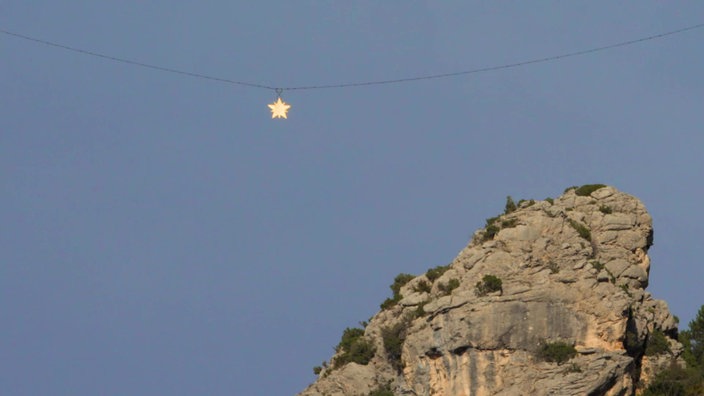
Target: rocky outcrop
(568, 274)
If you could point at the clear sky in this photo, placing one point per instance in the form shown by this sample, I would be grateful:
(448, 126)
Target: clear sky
(162, 235)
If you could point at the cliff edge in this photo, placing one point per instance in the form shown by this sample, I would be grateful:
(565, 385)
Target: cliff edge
(548, 299)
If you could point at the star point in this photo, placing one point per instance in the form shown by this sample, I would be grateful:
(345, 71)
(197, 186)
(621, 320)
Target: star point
(279, 109)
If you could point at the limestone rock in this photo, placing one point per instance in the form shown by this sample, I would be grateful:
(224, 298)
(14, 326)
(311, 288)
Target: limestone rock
(572, 271)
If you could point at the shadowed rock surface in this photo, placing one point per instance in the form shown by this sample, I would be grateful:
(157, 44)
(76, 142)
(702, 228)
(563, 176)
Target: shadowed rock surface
(573, 272)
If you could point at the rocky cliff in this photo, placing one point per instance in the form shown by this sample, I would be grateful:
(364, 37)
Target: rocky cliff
(548, 299)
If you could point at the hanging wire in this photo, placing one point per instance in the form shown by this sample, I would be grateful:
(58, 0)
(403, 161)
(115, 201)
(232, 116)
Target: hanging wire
(135, 63)
(279, 90)
(501, 67)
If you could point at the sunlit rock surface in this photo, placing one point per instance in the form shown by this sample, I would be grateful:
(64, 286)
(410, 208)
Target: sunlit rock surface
(585, 288)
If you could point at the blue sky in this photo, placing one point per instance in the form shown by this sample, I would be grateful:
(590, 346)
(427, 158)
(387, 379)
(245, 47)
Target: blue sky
(162, 235)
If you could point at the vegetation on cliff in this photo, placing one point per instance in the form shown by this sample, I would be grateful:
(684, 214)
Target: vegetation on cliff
(689, 380)
(556, 352)
(354, 347)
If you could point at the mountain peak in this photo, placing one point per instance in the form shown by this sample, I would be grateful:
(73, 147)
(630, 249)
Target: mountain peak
(548, 298)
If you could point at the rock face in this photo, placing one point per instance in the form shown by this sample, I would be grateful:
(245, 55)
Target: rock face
(572, 273)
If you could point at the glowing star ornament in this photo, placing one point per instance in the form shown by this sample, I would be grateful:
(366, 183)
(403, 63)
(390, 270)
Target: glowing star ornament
(279, 108)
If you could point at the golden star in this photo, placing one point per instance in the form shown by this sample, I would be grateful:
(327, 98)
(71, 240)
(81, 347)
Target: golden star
(279, 109)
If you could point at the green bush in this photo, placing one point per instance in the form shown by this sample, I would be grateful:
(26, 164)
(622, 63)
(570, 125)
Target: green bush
(399, 281)
(492, 220)
(509, 223)
(582, 230)
(490, 232)
(666, 387)
(394, 337)
(435, 273)
(389, 303)
(605, 209)
(556, 352)
(382, 391)
(554, 267)
(362, 352)
(550, 200)
(676, 381)
(493, 226)
(531, 202)
(587, 189)
(657, 343)
(420, 310)
(349, 336)
(447, 288)
(510, 205)
(684, 381)
(422, 286)
(354, 347)
(623, 287)
(598, 266)
(488, 284)
(693, 339)
(490, 229)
